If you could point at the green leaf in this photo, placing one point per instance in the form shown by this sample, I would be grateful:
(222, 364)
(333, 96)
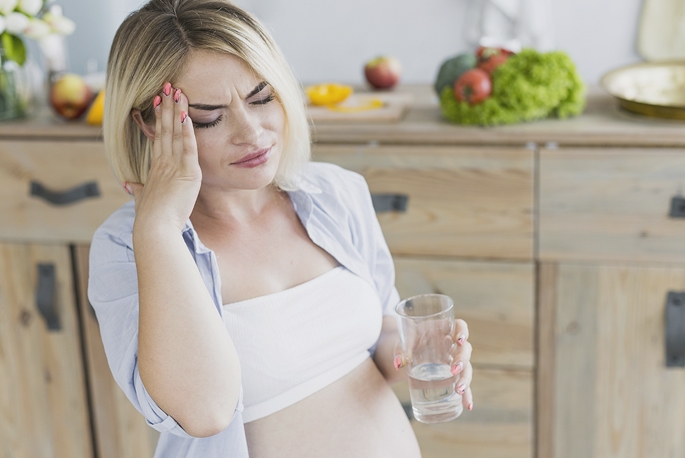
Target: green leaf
(14, 48)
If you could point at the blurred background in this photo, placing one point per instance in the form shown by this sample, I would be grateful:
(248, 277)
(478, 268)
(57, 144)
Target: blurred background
(329, 40)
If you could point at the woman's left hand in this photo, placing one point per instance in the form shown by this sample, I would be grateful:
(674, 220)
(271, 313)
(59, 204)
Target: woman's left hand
(460, 350)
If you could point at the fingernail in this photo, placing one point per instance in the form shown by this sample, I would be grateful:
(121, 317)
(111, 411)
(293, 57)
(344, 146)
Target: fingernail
(157, 101)
(457, 368)
(470, 407)
(461, 338)
(183, 117)
(177, 95)
(398, 362)
(127, 188)
(167, 89)
(461, 388)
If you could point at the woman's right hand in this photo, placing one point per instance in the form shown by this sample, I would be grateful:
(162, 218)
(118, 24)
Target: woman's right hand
(174, 178)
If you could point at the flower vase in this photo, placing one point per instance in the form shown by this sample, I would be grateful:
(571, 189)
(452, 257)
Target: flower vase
(15, 91)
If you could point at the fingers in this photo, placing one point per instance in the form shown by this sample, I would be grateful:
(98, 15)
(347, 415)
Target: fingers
(461, 331)
(400, 359)
(168, 120)
(461, 356)
(464, 387)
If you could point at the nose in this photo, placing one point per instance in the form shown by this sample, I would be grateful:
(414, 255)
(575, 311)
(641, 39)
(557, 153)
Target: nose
(247, 128)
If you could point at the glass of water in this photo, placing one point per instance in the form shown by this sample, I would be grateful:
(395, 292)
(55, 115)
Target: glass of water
(426, 325)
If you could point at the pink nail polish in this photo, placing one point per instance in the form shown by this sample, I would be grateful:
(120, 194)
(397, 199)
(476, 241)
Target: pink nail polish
(398, 362)
(183, 117)
(456, 368)
(157, 101)
(177, 95)
(167, 89)
(127, 188)
(461, 388)
(470, 407)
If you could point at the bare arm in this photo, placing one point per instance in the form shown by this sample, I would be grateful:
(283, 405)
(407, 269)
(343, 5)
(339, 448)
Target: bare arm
(386, 351)
(186, 358)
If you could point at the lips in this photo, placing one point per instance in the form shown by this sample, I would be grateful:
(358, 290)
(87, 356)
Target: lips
(252, 156)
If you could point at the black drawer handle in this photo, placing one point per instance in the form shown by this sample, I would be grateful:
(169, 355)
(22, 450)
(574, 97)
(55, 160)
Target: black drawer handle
(675, 329)
(45, 296)
(677, 207)
(384, 203)
(81, 192)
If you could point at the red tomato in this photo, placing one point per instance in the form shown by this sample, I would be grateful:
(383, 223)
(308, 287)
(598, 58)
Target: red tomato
(489, 64)
(473, 86)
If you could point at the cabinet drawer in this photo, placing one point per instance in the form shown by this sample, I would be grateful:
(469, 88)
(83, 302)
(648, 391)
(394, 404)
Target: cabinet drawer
(500, 424)
(29, 170)
(607, 390)
(611, 204)
(468, 202)
(495, 299)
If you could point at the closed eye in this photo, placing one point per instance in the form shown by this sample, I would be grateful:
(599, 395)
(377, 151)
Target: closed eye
(206, 125)
(265, 100)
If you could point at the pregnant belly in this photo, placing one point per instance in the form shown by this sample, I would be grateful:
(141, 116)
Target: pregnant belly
(356, 416)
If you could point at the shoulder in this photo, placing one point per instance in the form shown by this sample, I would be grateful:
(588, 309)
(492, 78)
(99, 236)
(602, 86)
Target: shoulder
(115, 234)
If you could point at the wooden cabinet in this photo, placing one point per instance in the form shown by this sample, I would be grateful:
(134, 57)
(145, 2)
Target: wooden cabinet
(611, 255)
(57, 395)
(555, 239)
(608, 390)
(43, 399)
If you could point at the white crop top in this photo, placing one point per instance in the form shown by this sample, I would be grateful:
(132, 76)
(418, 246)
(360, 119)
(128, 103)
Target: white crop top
(296, 342)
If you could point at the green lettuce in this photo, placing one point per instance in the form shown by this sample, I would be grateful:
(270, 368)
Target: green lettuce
(528, 86)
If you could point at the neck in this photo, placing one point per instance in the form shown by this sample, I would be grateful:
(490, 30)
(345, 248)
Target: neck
(235, 207)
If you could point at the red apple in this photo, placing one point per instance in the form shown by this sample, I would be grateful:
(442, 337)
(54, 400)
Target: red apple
(70, 96)
(383, 72)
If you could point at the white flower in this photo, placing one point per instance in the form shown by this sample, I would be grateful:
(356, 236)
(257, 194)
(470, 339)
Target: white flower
(60, 24)
(2, 24)
(31, 7)
(17, 23)
(37, 29)
(7, 6)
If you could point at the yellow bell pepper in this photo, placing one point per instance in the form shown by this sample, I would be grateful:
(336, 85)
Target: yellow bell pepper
(96, 110)
(328, 94)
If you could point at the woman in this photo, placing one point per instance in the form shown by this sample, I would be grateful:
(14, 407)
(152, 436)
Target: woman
(256, 309)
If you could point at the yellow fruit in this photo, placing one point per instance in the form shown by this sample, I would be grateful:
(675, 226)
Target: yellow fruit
(328, 94)
(97, 110)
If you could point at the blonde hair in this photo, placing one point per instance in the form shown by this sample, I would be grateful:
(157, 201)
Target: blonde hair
(151, 47)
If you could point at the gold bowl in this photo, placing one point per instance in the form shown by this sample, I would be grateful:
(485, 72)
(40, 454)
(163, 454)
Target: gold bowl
(654, 89)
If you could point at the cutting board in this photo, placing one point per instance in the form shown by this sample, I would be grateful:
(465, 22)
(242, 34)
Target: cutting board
(394, 107)
(661, 34)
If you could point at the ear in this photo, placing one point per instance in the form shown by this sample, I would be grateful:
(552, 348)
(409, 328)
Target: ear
(148, 130)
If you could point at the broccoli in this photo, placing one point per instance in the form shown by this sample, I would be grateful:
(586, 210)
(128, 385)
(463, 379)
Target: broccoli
(528, 86)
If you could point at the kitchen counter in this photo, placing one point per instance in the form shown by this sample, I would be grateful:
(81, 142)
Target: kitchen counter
(602, 124)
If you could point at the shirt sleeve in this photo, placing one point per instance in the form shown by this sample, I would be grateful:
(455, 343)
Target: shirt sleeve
(113, 293)
(376, 250)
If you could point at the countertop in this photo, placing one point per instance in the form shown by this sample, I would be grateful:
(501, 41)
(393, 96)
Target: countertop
(602, 123)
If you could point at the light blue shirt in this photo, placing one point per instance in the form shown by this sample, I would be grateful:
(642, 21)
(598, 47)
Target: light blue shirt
(334, 206)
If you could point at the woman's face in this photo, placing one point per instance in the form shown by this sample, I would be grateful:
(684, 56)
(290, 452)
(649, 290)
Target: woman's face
(239, 124)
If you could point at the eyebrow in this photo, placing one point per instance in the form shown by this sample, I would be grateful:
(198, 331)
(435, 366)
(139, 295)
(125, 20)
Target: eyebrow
(207, 107)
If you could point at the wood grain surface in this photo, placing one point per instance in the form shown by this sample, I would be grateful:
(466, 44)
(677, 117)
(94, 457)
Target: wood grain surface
(500, 424)
(43, 400)
(611, 204)
(495, 299)
(614, 395)
(59, 166)
(467, 202)
(120, 430)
